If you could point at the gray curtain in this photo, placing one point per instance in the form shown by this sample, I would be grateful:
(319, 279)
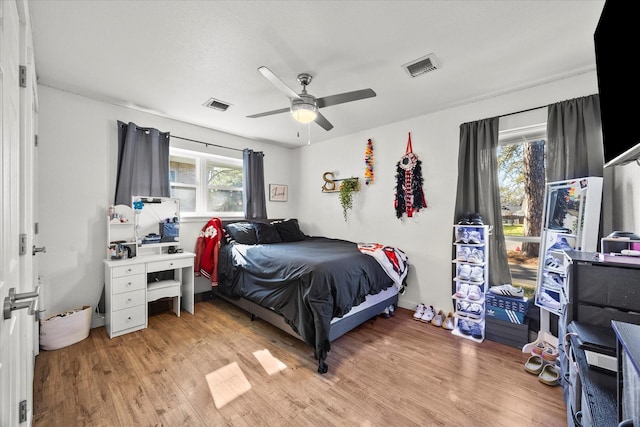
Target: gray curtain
(143, 163)
(574, 139)
(478, 189)
(253, 197)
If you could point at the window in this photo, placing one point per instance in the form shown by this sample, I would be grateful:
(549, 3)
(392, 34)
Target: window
(521, 175)
(207, 185)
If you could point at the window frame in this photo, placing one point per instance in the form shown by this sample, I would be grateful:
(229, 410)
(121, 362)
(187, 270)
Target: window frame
(201, 186)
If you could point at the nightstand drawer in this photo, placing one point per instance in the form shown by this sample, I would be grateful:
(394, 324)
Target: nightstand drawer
(129, 283)
(127, 300)
(129, 318)
(126, 270)
(169, 264)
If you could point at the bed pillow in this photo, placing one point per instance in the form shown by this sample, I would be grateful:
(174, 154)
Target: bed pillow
(289, 230)
(241, 232)
(266, 233)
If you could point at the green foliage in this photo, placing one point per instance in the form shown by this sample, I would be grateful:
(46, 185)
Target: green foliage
(347, 188)
(513, 230)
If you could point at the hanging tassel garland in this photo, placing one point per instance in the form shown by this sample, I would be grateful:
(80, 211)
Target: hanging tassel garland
(409, 194)
(368, 161)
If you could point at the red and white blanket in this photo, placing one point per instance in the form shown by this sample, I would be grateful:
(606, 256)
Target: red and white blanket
(394, 262)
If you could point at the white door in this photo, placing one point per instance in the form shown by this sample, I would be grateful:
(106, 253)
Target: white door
(16, 327)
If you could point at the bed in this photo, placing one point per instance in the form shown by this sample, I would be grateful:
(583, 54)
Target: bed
(315, 288)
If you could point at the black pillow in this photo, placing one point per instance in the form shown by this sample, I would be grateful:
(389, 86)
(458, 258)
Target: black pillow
(241, 232)
(266, 233)
(289, 230)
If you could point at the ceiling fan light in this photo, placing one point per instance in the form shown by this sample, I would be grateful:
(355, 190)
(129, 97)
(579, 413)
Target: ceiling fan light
(304, 112)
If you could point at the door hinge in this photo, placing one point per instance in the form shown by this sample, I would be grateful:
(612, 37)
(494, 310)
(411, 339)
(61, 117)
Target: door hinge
(36, 228)
(23, 244)
(22, 410)
(23, 75)
(35, 140)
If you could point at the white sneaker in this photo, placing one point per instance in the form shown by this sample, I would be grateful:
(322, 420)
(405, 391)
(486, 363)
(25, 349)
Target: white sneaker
(419, 311)
(476, 256)
(475, 237)
(463, 290)
(477, 274)
(551, 262)
(463, 253)
(507, 291)
(549, 302)
(474, 293)
(464, 272)
(449, 323)
(429, 313)
(438, 319)
(462, 236)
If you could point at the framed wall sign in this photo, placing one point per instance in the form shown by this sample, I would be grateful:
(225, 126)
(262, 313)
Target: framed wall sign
(278, 192)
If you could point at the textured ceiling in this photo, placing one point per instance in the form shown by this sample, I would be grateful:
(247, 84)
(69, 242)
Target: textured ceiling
(170, 57)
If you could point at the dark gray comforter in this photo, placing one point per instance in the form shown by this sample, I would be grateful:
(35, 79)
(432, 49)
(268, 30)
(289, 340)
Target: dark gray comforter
(308, 282)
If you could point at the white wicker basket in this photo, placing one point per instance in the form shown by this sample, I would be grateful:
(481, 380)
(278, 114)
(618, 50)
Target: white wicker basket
(63, 329)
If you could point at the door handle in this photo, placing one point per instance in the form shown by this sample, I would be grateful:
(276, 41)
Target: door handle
(35, 250)
(11, 304)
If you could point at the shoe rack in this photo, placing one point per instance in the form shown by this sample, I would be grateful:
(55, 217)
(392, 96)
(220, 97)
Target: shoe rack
(471, 262)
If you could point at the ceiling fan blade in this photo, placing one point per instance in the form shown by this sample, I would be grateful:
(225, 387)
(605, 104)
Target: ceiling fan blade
(345, 97)
(275, 80)
(268, 113)
(323, 122)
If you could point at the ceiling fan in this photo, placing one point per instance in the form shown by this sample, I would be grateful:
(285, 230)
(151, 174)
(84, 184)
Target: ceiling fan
(304, 107)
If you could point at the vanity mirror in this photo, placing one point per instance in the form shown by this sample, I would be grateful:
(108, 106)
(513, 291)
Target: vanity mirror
(156, 221)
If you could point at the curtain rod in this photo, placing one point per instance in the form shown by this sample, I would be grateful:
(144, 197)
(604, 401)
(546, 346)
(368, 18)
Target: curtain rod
(205, 143)
(523, 111)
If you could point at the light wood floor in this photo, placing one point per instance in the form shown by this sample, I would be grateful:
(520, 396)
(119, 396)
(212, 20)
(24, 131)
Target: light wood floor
(388, 372)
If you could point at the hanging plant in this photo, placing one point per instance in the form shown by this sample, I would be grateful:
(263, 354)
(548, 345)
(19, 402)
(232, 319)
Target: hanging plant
(347, 188)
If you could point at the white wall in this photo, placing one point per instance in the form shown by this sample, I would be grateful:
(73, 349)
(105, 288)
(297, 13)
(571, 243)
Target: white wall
(426, 238)
(78, 148)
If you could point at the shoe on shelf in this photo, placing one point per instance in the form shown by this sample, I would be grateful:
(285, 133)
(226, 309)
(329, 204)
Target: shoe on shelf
(464, 272)
(551, 262)
(476, 219)
(507, 291)
(476, 256)
(463, 253)
(449, 322)
(477, 274)
(561, 244)
(463, 290)
(419, 312)
(464, 326)
(429, 313)
(465, 219)
(549, 354)
(474, 294)
(549, 302)
(558, 228)
(462, 308)
(552, 281)
(476, 330)
(475, 237)
(475, 311)
(538, 349)
(462, 235)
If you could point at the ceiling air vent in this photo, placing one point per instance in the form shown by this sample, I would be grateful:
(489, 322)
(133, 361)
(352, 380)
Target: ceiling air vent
(216, 104)
(422, 65)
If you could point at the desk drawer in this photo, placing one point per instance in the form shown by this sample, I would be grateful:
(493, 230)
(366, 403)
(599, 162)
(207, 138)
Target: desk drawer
(126, 270)
(128, 283)
(169, 264)
(127, 300)
(129, 318)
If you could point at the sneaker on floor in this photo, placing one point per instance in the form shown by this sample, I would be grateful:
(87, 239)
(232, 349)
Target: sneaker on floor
(438, 319)
(419, 312)
(392, 310)
(449, 322)
(429, 313)
(507, 291)
(385, 313)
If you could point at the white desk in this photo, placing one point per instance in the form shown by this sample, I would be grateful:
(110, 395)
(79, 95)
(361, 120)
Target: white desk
(126, 288)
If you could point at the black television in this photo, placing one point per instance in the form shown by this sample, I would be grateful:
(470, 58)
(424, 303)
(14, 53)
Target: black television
(616, 40)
